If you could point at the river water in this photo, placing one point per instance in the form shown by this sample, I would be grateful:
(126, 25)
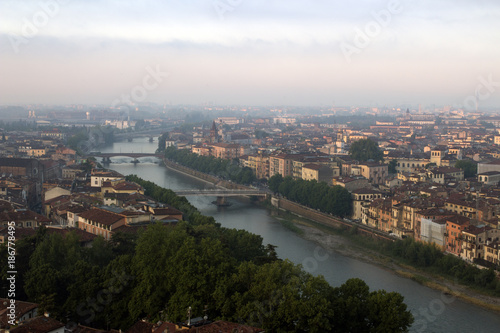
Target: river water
(433, 311)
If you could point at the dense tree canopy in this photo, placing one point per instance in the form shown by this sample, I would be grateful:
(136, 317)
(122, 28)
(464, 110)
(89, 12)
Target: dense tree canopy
(468, 166)
(160, 272)
(392, 166)
(364, 150)
(329, 199)
(219, 167)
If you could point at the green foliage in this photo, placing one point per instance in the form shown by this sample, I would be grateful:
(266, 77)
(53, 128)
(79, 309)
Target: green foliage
(75, 141)
(392, 166)
(162, 142)
(358, 310)
(162, 271)
(430, 257)
(140, 124)
(275, 182)
(366, 149)
(225, 169)
(259, 134)
(468, 166)
(19, 125)
(335, 200)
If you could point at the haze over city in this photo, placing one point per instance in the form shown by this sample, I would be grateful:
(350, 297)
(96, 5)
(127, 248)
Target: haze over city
(251, 52)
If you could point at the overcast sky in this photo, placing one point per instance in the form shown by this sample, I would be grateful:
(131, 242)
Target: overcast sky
(288, 52)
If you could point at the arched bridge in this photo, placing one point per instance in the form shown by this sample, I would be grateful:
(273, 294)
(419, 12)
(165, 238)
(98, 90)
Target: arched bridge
(106, 157)
(132, 155)
(220, 193)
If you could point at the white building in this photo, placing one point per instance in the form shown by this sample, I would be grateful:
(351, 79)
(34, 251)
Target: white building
(433, 231)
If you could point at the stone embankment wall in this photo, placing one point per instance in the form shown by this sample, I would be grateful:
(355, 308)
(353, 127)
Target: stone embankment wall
(282, 203)
(326, 219)
(203, 176)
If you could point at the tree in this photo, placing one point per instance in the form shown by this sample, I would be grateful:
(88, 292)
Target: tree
(392, 166)
(162, 142)
(275, 182)
(357, 309)
(139, 124)
(366, 149)
(469, 167)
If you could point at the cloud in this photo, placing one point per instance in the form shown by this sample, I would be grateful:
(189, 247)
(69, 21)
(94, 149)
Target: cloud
(259, 51)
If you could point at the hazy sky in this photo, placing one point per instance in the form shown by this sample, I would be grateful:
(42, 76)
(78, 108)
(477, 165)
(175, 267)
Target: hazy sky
(311, 52)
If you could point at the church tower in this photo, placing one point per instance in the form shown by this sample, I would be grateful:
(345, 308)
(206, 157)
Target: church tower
(214, 134)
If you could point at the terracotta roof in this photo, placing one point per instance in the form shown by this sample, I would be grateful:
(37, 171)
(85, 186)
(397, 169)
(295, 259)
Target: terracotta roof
(127, 186)
(166, 211)
(20, 232)
(224, 326)
(38, 325)
(23, 215)
(82, 234)
(21, 309)
(140, 327)
(101, 216)
(472, 229)
(458, 219)
(365, 190)
(61, 198)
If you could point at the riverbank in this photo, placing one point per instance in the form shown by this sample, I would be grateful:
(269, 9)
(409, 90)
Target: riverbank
(330, 240)
(334, 239)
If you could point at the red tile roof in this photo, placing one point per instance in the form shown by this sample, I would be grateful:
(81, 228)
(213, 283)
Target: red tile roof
(21, 309)
(38, 325)
(101, 216)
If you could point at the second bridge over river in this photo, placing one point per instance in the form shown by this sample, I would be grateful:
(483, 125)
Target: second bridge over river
(221, 194)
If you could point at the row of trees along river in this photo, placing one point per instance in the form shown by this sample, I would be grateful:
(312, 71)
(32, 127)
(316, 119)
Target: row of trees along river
(433, 311)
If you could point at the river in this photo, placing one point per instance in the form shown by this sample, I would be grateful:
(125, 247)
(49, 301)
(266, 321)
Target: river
(433, 311)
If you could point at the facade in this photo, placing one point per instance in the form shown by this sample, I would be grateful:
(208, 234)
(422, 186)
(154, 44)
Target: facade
(98, 178)
(488, 166)
(226, 151)
(489, 178)
(454, 227)
(492, 252)
(433, 231)
(100, 222)
(259, 163)
(362, 197)
(376, 173)
(474, 239)
(320, 173)
(281, 164)
(351, 183)
(461, 207)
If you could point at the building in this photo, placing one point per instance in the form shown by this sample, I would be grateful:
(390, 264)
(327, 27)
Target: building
(98, 177)
(455, 225)
(443, 175)
(24, 311)
(320, 173)
(433, 232)
(351, 183)
(28, 167)
(488, 166)
(71, 171)
(474, 239)
(489, 178)
(437, 154)
(361, 197)
(259, 163)
(100, 222)
(492, 252)
(227, 151)
(281, 164)
(376, 173)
